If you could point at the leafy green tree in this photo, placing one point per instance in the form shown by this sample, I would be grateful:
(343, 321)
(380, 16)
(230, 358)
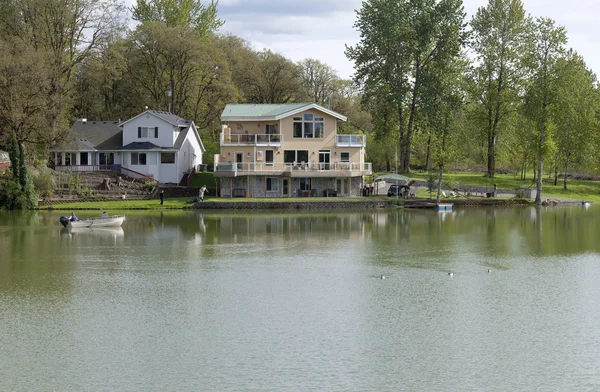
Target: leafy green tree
(318, 80)
(182, 13)
(180, 71)
(575, 113)
(271, 78)
(546, 45)
(499, 33)
(443, 110)
(62, 34)
(400, 41)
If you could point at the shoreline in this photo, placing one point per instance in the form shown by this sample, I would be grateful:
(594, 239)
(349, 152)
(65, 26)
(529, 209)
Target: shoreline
(333, 205)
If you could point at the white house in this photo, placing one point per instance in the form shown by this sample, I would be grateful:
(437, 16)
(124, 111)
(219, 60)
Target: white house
(153, 144)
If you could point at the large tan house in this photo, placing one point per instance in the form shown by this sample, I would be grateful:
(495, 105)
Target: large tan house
(288, 150)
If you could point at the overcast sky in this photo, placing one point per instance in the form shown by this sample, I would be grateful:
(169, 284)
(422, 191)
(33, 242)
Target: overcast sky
(321, 28)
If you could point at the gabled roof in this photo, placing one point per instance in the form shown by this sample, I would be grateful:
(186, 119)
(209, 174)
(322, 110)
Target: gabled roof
(165, 116)
(250, 112)
(183, 135)
(92, 136)
(141, 146)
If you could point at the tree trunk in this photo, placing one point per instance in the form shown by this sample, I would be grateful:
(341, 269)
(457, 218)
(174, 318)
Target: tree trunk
(105, 184)
(566, 171)
(409, 131)
(439, 192)
(427, 167)
(491, 163)
(401, 122)
(540, 173)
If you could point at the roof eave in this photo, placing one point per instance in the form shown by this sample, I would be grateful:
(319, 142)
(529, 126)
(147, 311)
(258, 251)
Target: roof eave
(249, 118)
(312, 106)
(149, 112)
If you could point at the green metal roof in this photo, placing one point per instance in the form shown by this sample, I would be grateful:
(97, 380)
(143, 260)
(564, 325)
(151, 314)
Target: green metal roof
(260, 110)
(249, 111)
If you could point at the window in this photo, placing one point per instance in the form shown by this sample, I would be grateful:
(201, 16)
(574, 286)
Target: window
(302, 156)
(298, 127)
(308, 130)
(147, 132)
(309, 127)
(138, 158)
(167, 157)
(291, 156)
(70, 158)
(272, 184)
(345, 157)
(271, 129)
(269, 157)
(319, 128)
(107, 158)
(305, 184)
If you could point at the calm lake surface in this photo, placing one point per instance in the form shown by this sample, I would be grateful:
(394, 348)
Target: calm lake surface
(188, 301)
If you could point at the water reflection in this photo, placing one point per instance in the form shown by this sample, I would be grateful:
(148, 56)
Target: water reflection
(295, 301)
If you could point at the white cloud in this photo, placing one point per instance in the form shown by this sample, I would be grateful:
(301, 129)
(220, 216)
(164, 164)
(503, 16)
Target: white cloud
(321, 28)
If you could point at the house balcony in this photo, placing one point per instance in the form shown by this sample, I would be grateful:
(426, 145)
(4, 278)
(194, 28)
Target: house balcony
(351, 141)
(294, 169)
(268, 140)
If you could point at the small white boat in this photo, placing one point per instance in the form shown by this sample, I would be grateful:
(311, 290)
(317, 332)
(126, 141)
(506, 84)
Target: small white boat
(110, 221)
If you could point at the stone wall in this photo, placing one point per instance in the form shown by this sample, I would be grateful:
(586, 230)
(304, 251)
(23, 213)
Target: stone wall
(255, 185)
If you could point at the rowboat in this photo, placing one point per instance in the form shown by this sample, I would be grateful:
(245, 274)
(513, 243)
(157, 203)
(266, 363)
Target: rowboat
(109, 221)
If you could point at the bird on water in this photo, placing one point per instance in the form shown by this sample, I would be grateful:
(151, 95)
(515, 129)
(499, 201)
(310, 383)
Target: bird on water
(450, 273)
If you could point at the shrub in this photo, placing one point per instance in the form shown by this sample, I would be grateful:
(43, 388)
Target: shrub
(12, 197)
(44, 183)
(148, 185)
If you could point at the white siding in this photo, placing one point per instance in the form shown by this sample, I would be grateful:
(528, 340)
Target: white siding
(190, 154)
(168, 171)
(165, 131)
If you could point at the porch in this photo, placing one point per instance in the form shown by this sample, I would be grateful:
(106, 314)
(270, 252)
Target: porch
(294, 169)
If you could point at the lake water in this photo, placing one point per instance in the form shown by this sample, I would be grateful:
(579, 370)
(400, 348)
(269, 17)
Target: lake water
(189, 301)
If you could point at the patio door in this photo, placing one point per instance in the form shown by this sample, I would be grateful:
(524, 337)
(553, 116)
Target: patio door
(239, 160)
(324, 159)
(342, 186)
(269, 157)
(286, 187)
(83, 158)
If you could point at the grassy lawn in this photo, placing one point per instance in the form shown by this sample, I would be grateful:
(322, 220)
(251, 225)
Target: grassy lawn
(153, 204)
(578, 189)
(181, 202)
(205, 178)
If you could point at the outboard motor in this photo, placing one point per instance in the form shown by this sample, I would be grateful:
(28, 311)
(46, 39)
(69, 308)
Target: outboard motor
(64, 221)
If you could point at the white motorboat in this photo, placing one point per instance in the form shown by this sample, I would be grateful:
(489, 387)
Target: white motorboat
(109, 221)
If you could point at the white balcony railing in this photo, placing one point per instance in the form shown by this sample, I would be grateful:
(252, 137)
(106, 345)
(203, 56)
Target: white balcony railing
(295, 167)
(351, 141)
(228, 139)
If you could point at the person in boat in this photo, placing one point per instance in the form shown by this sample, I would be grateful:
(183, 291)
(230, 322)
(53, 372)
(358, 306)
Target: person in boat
(73, 218)
(104, 215)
